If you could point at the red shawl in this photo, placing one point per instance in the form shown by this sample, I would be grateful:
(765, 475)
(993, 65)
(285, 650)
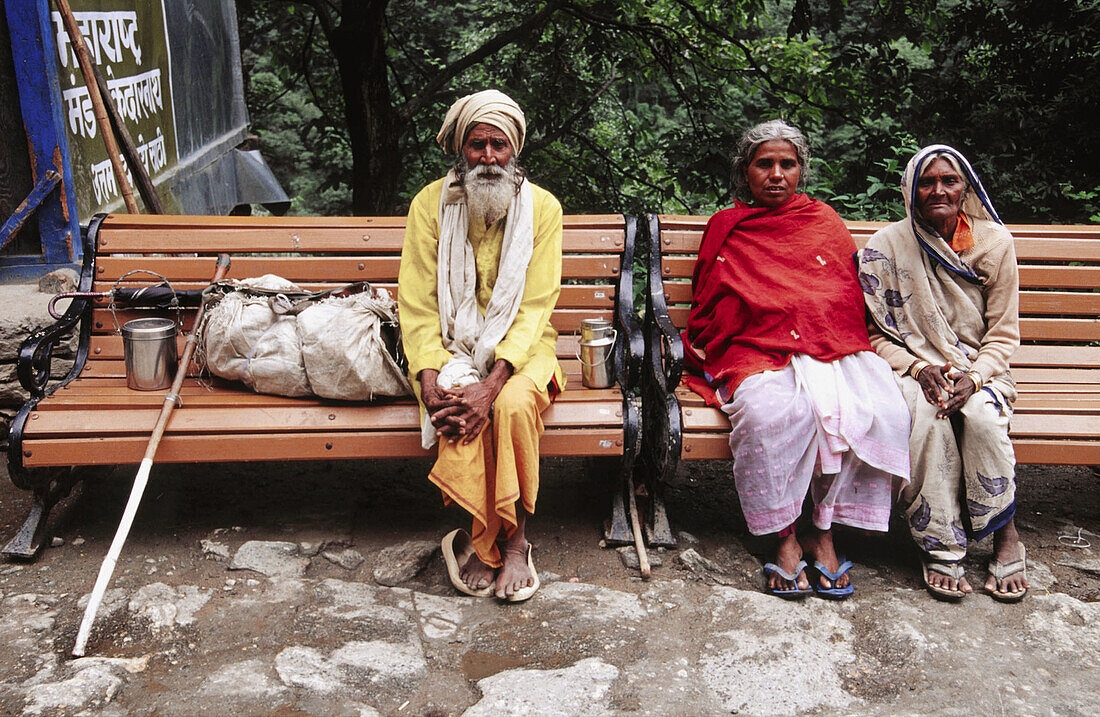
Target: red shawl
(769, 283)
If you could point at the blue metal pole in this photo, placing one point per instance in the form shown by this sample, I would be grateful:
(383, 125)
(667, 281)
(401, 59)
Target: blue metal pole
(35, 55)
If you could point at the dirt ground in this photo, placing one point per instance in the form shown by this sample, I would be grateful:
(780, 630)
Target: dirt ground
(375, 504)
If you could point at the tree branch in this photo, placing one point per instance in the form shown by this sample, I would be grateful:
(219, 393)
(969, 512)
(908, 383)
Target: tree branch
(567, 124)
(428, 93)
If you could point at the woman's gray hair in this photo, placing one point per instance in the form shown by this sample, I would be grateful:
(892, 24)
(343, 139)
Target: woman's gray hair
(758, 135)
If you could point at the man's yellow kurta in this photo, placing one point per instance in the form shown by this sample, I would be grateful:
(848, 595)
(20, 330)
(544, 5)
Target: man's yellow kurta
(485, 477)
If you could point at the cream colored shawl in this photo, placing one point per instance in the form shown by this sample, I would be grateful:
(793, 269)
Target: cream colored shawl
(918, 291)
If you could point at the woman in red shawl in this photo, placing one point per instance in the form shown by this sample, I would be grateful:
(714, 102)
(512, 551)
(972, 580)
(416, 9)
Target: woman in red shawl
(777, 337)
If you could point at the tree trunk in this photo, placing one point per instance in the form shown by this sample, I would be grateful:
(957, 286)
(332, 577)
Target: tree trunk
(374, 126)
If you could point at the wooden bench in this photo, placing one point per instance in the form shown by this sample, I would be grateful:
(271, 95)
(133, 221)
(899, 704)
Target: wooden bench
(1057, 367)
(92, 418)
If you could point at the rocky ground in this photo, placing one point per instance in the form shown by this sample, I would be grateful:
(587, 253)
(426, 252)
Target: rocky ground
(317, 589)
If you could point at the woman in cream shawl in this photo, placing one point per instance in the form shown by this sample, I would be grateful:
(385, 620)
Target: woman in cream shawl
(942, 290)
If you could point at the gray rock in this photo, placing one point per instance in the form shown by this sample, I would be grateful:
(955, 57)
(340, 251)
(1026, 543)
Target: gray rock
(114, 600)
(310, 548)
(592, 602)
(400, 563)
(271, 558)
(56, 541)
(756, 642)
(58, 281)
(1039, 576)
(629, 555)
(1086, 565)
(87, 689)
(400, 661)
(166, 607)
(215, 550)
(347, 558)
(305, 667)
(440, 617)
(685, 537)
(248, 679)
(704, 569)
(571, 691)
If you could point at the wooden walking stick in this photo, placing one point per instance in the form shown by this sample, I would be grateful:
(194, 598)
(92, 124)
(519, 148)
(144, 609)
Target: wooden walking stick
(107, 569)
(104, 124)
(635, 523)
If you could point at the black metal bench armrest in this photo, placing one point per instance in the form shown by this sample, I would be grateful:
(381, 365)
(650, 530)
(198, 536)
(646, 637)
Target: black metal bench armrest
(665, 349)
(36, 351)
(630, 346)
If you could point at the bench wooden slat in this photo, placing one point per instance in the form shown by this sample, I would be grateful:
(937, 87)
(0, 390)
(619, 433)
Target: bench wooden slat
(1062, 303)
(274, 447)
(201, 221)
(1035, 329)
(112, 395)
(564, 321)
(109, 346)
(1033, 242)
(268, 419)
(573, 296)
(701, 446)
(338, 240)
(108, 368)
(315, 268)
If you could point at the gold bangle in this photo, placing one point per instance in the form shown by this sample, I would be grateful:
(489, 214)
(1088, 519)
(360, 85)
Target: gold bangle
(977, 379)
(916, 367)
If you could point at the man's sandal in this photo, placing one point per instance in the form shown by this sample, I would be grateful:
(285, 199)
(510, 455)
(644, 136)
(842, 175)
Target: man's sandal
(1002, 571)
(833, 593)
(787, 593)
(457, 548)
(952, 570)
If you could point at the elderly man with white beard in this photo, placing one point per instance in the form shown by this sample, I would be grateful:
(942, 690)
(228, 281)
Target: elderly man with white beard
(480, 275)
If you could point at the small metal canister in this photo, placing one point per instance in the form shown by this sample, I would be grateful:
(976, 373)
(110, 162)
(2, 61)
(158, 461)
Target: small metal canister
(149, 346)
(596, 348)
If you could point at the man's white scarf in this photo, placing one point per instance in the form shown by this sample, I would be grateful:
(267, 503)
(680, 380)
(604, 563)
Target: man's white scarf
(471, 337)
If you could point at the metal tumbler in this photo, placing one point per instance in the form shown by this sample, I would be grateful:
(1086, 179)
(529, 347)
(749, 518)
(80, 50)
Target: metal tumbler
(597, 346)
(149, 346)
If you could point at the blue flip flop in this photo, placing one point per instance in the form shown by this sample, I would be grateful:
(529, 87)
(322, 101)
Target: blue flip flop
(833, 593)
(788, 594)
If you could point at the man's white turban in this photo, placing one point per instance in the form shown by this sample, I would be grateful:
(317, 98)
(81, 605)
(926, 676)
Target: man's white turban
(488, 106)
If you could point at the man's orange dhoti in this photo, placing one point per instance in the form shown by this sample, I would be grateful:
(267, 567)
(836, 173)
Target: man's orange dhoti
(499, 467)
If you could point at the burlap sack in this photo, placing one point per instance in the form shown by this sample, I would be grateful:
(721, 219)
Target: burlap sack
(244, 340)
(344, 347)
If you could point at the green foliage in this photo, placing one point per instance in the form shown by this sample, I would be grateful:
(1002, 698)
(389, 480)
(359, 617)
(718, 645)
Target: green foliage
(636, 106)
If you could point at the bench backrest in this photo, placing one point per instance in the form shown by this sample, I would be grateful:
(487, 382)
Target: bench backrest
(1059, 289)
(323, 252)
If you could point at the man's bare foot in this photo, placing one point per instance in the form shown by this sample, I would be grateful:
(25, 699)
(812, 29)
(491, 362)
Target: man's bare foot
(788, 553)
(819, 544)
(515, 574)
(1006, 549)
(476, 574)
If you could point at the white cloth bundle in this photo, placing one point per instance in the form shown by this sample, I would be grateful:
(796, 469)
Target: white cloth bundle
(333, 348)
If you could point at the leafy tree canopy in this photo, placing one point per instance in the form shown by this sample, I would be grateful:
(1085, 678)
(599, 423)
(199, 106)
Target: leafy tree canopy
(636, 105)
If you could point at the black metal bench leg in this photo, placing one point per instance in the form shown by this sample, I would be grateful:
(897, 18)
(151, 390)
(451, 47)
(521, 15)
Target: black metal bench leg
(32, 536)
(658, 532)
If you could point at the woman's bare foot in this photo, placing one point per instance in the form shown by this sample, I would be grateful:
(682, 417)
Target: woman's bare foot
(476, 574)
(947, 582)
(515, 574)
(1006, 548)
(819, 544)
(788, 553)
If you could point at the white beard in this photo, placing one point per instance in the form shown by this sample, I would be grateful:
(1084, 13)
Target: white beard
(489, 191)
